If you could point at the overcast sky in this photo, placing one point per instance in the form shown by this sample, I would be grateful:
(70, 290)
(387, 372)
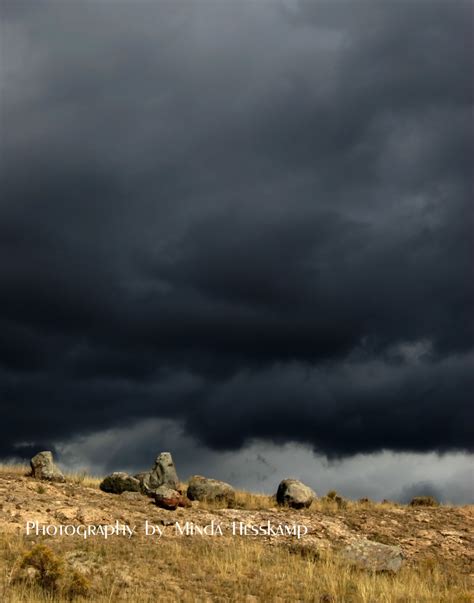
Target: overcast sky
(242, 232)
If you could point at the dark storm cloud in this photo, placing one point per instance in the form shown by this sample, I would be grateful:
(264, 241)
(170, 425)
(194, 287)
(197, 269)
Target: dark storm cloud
(252, 218)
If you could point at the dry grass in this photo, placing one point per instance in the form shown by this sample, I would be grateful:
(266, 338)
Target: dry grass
(200, 568)
(83, 478)
(328, 506)
(221, 569)
(16, 468)
(73, 477)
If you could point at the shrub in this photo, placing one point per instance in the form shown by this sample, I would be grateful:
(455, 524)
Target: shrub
(48, 566)
(77, 585)
(334, 497)
(424, 501)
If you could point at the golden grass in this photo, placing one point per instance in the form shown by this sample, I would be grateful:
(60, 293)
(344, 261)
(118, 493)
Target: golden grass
(83, 478)
(251, 501)
(16, 468)
(195, 569)
(206, 569)
(73, 477)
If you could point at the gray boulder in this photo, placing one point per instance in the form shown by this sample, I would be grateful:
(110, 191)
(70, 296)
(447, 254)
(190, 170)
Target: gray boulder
(43, 467)
(119, 482)
(141, 476)
(374, 556)
(210, 490)
(295, 494)
(162, 474)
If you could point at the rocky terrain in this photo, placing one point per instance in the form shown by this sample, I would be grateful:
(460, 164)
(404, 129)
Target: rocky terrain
(438, 539)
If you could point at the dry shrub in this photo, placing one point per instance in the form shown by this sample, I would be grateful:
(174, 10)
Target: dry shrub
(50, 573)
(333, 501)
(424, 501)
(48, 568)
(305, 551)
(77, 585)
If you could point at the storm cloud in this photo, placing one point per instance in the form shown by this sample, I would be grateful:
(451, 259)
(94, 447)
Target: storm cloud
(251, 219)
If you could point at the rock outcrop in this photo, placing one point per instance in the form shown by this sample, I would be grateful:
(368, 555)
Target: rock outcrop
(295, 494)
(43, 467)
(119, 482)
(374, 556)
(210, 490)
(162, 474)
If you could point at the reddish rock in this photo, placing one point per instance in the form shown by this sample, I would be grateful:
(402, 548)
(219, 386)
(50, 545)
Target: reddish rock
(167, 498)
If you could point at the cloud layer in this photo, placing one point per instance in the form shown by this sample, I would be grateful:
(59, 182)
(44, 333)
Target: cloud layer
(253, 219)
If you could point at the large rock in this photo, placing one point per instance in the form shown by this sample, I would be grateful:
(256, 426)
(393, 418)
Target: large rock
(162, 474)
(119, 482)
(295, 494)
(43, 467)
(210, 490)
(373, 556)
(167, 498)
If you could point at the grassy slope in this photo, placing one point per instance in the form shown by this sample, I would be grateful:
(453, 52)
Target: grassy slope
(436, 543)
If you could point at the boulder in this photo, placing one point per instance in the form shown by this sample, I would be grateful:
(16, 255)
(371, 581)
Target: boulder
(374, 556)
(295, 494)
(162, 474)
(167, 498)
(119, 482)
(210, 490)
(141, 476)
(43, 467)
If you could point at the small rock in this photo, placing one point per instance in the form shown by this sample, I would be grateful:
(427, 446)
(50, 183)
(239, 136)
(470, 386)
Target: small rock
(295, 494)
(43, 467)
(210, 490)
(66, 514)
(119, 482)
(132, 496)
(166, 522)
(167, 498)
(373, 556)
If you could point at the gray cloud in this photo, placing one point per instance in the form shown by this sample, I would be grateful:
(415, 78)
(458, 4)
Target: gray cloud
(261, 465)
(250, 218)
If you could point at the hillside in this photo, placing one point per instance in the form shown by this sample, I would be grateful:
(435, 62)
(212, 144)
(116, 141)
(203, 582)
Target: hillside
(437, 544)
